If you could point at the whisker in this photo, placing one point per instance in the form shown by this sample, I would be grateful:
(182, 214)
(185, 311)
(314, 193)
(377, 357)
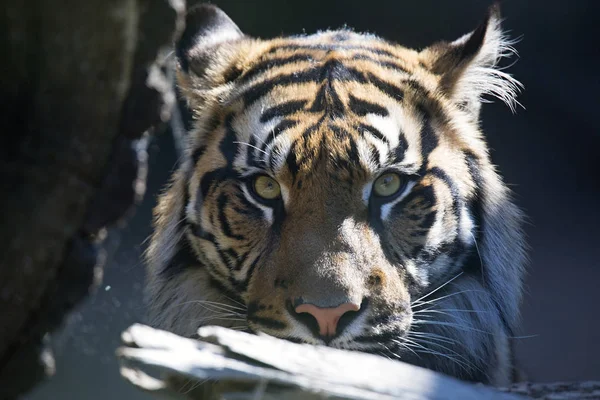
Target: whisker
(254, 147)
(524, 337)
(420, 304)
(448, 311)
(215, 306)
(433, 336)
(451, 325)
(438, 288)
(422, 340)
(235, 301)
(426, 350)
(405, 346)
(479, 255)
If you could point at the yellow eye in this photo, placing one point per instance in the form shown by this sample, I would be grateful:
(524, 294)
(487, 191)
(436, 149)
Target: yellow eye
(387, 185)
(267, 187)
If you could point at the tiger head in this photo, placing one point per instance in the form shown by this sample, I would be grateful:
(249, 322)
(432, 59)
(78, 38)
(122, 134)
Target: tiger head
(337, 190)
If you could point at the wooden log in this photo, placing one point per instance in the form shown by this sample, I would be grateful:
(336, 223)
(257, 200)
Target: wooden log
(229, 364)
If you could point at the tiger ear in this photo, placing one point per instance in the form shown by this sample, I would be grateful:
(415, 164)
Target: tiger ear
(469, 69)
(208, 48)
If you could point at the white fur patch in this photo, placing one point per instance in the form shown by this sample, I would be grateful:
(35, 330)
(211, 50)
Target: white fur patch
(388, 127)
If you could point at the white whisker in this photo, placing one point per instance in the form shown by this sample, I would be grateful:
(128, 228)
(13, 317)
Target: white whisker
(451, 325)
(254, 147)
(420, 304)
(438, 288)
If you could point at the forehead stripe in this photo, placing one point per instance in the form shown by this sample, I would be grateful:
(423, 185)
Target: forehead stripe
(282, 110)
(429, 141)
(266, 65)
(391, 90)
(397, 154)
(332, 46)
(278, 130)
(362, 107)
(331, 70)
(373, 131)
(386, 64)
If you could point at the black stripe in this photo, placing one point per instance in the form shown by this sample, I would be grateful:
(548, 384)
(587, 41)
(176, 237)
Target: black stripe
(196, 230)
(429, 140)
(397, 155)
(373, 131)
(278, 130)
(183, 259)
(331, 46)
(197, 153)
(232, 73)
(282, 110)
(328, 101)
(363, 107)
(213, 122)
(257, 91)
(391, 90)
(382, 63)
(243, 285)
(292, 161)
(247, 208)
(454, 192)
(266, 65)
(320, 102)
(417, 87)
(338, 132)
(239, 264)
(251, 151)
(476, 202)
(226, 290)
(477, 207)
(473, 263)
(215, 177)
(336, 70)
(348, 161)
(228, 146)
(231, 257)
(375, 155)
(269, 323)
(225, 227)
(332, 70)
(335, 107)
(185, 113)
(253, 308)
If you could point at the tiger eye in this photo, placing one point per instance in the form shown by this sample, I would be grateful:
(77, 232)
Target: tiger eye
(267, 187)
(387, 184)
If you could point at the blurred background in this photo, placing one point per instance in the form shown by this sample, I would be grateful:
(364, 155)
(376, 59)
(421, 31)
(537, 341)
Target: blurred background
(545, 152)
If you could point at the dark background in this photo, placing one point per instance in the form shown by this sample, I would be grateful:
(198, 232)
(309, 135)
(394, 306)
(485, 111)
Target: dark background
(546, 152)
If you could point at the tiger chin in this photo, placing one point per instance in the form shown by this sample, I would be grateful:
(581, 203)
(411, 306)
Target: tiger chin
(337, 190)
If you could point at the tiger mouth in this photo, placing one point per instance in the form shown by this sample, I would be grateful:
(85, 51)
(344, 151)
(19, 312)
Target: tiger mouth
(365, 330)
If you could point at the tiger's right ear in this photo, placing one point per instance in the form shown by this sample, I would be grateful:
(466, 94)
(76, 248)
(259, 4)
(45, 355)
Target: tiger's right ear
(208, 49)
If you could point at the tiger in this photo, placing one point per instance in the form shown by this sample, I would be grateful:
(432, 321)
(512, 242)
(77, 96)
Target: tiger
(336, 189)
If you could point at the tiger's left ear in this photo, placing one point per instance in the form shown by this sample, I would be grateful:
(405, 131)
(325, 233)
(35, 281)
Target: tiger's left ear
(209, 53)
(469, 69)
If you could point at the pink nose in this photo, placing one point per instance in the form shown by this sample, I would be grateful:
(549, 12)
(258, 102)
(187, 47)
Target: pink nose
(327, 318)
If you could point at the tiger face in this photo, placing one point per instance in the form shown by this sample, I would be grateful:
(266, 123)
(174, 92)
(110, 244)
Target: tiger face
(337, 191)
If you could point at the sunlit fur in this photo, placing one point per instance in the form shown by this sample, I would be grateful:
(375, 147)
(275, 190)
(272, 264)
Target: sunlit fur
(437, 269)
